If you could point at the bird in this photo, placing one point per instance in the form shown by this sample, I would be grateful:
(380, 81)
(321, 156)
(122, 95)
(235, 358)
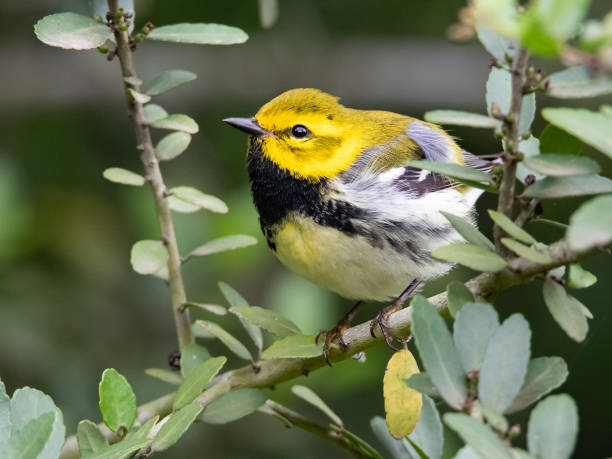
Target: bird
(339, 207)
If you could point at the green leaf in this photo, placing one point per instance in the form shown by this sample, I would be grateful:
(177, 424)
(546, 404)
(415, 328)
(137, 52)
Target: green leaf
(510, 227)
(192, 356)
(172, 145)
(232, 343)
(200, 34)
(90, 439)
(5, 415)
(118, 175)
(499, 91)
(197, 381)
(576, 82)
(528, 147)
(236, 300)
(293, 347)
(571, 185)
(169, 376)
(176, 426)
(428, 433)
(452, 170)
(27, 408)
(498, 45)
(471, 256)
(30, 440)
(133, 81)
(561, 19)
(166, 80)
(148, 257)
(544, 374)
(177, 122)
(117, 400)
(533, 253)
(224, 244)
(309, 396)
(139, 97)
(233, 406)
(143, 432)
(468, 231)
(580, 277)
(212, 308)
(560, 164)
(268, 320)
(505, 364)
(438, 352)
(200, 200)
(421, 382)
(591, 225)
(566, 310)
(153, 112)
(475, 325)
(457, 295)
(478, 436)
(557, 141)
(268, 13)
(535, 36)
(395, 447)
(553, 427)
(592, 128)
(460, 118)
(122, 449)
(71, 31)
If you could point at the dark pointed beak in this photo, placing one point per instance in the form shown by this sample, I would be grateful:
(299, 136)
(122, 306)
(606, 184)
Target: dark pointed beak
(248, 125)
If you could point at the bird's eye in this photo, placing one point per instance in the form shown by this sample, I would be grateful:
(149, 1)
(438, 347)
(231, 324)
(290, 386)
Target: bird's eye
(299, 131)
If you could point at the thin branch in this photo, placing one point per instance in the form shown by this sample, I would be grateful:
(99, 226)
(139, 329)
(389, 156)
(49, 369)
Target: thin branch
(154, 175)
(527, 212)
(272, 372)
(512, 137)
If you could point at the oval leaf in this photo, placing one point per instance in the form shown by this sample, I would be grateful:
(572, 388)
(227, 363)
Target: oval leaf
(576, 82)
(505, 364)
(224, 244)
(457, 295)
(452, 170)
(201, 34)
(72, 31)
(566, 310)
(90, 439)
(192, 356)
(212, 308)
(544, 374)
(478, 436)
(591, 225)
(580, 277)
(197, 381)
(201, 200)
(232, 343)
(510, 227)
(139, 97)
(293, 347)
(268, 320)
(422, 383)
(118, 175)
(309, 396)
(236, 300)
(475, 325)
(553, 427)
(162, 374)
(559, 164)
(153, 112)
(533, 253)
(148, 257)
(166, 80)
(428, 433)
(233, 406)
(175, 426)
(592, 128)
(459, 118)
(438, 352)
(172, 145)
(468, 231)
(471, 256)
(573, 185)
(177, 122)
(402, 404)
(117, 400)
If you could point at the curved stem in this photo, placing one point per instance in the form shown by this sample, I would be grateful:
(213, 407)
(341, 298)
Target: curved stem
(154, 176)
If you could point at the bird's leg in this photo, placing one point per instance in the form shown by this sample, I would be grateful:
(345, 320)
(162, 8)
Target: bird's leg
(337, 332)
(382, 317)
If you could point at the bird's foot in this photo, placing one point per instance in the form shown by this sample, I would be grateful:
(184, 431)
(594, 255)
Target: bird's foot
(382, 321)
(337, 333)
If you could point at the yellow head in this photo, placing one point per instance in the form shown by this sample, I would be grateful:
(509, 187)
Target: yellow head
(310, 134)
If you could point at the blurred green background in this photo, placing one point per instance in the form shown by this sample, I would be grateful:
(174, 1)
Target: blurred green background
(70, 306)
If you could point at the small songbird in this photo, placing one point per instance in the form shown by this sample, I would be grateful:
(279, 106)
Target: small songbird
(337, 205)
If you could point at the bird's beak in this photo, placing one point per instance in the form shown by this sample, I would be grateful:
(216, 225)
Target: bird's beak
(248, 125)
